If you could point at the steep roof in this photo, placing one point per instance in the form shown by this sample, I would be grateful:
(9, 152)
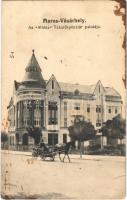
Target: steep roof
(33, 79)
(111, 91)
(33, 73)
(10, 103)
(69, 87)
(87, 89)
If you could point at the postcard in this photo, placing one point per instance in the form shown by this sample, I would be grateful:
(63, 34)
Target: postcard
(63, 99)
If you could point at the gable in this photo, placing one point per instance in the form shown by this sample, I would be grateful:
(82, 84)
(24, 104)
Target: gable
(99, 89)
(52, 86)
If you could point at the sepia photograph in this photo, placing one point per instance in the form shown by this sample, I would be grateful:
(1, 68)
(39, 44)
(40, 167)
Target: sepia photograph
(63, 126)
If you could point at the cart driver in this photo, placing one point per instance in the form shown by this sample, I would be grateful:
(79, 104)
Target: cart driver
(42, 145)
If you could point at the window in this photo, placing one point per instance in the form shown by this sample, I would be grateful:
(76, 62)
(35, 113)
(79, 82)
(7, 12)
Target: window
(52, 84)
(98, 109)
(116, 111)
(37, 121)
(20, 138)
(65, 122)
(64, 138)
(52, 113)
(99, 88)
(98, 123)
(65, 108)
(77, 106)
(37, 105)
(109, 110)
(14, 117)
(26, 122)
(37, 114)
(11, 140)
(52, 121)
(18, 114)
(26, 115)
(88, 108)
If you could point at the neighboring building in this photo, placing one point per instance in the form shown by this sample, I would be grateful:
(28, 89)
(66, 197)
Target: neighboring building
(53, 106)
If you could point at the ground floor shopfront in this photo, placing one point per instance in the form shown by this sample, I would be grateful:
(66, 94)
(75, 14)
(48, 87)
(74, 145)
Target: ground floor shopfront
(50, 137)
(23, 141)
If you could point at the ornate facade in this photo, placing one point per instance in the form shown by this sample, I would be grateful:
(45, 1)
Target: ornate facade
(53, 105)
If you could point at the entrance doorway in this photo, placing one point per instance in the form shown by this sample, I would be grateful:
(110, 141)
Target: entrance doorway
(64, 138)
(52, 139)
(17, 138)
(25, 139)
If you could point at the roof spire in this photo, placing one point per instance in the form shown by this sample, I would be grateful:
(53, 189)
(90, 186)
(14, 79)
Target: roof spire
(33, 51)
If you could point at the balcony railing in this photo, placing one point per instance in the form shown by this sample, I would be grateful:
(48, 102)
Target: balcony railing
(52, 121)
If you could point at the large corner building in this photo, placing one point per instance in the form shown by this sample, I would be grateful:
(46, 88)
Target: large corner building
(53, 106)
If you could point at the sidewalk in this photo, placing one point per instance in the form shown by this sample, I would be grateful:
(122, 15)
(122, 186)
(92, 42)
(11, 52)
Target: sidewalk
(73, 156)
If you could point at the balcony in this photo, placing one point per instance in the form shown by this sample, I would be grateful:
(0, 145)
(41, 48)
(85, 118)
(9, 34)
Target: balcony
(52, 127)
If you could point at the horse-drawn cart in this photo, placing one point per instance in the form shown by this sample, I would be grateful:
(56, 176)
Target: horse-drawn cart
(44, 153)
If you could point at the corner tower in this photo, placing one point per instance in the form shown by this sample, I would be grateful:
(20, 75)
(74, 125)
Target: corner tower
(33, 73)
(28, 102)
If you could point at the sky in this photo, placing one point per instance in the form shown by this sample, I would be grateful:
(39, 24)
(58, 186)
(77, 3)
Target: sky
(74, 56)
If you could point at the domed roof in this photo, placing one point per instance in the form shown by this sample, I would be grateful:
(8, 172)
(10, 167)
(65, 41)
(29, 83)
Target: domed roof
(33, 73)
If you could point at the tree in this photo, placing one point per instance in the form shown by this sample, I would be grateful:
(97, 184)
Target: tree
(115, 128)
(81, 131)
(35, 133)
(4, 138)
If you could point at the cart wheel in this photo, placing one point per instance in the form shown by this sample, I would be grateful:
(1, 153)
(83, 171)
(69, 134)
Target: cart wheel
(42, 157)
(34, 155)
(52, 158)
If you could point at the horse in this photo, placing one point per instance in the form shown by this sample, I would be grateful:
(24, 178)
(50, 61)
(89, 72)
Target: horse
(64, 148)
